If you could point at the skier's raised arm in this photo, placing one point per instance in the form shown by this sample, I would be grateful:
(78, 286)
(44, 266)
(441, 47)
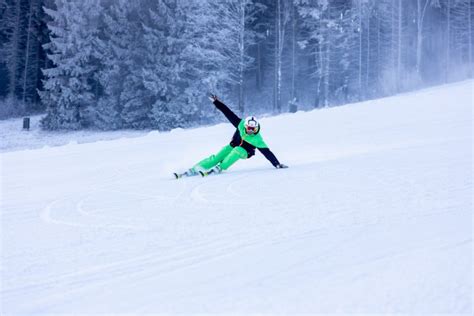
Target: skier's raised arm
(231, 116)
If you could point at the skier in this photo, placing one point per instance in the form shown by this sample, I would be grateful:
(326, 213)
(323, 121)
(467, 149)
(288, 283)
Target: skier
(242, 146)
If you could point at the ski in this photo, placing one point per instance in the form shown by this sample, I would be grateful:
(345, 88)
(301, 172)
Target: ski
(185, 174)
(209, 172)
(206, 173)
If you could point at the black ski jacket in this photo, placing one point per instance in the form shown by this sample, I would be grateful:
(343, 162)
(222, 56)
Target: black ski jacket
(237, 140)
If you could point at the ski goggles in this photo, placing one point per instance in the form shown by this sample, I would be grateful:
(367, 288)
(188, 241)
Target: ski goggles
(251, 129)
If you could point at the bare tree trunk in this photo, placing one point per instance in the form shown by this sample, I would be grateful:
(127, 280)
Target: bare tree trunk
(242, 56)
(448, 41)
(378, 45)
(293, 53)
(15, 51)
(393, 59)
(278, 52)
(258, 78)
(327, 77)
(469, 17)
(320, 73)
(419, 25)
(367, 74)
(275, 69)
(360, 50)
(36, 68)
(27, 51)
(399, 49)
(420, 16)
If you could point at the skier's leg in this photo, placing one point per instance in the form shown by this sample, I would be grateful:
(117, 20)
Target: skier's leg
(236, 154)
(211, 161)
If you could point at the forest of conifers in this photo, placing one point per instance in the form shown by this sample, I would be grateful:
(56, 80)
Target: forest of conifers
(114, 64)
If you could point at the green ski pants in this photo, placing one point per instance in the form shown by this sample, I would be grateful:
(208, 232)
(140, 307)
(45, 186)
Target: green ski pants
(227, 156)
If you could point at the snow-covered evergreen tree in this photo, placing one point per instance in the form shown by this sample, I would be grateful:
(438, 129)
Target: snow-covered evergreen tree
(120, 102)
(150, 64)
(163, 26)
(71, 84)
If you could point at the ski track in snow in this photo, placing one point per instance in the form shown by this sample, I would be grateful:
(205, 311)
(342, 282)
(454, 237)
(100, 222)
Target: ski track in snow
(374, 215)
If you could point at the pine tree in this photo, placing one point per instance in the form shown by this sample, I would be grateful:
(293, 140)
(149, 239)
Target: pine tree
(70, 84)
(462, 37)
(162, 73)
(31, 51)
(141, 64)
(202, 63)
(120, 101)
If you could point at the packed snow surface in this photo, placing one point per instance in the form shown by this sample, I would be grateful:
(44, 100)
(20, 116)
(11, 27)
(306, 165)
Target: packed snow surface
(374, 215)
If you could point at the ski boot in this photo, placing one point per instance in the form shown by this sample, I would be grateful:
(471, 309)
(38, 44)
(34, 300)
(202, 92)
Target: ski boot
(214, 170)
(189, 173)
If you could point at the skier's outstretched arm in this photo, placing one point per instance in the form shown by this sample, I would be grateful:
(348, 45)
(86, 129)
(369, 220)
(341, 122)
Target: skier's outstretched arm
(271, 157)
(231, 116)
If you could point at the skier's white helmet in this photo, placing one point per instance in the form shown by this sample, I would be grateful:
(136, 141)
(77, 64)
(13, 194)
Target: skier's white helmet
(252, 126)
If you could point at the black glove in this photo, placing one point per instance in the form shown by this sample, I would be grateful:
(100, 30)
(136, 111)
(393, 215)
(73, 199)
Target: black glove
(213, 97)
(281, 166)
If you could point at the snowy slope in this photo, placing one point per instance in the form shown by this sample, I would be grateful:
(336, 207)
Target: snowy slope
(13, 137)
(374, 215)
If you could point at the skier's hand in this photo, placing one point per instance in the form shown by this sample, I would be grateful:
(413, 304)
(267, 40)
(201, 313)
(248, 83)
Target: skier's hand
(213, 97)
(281, 166)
